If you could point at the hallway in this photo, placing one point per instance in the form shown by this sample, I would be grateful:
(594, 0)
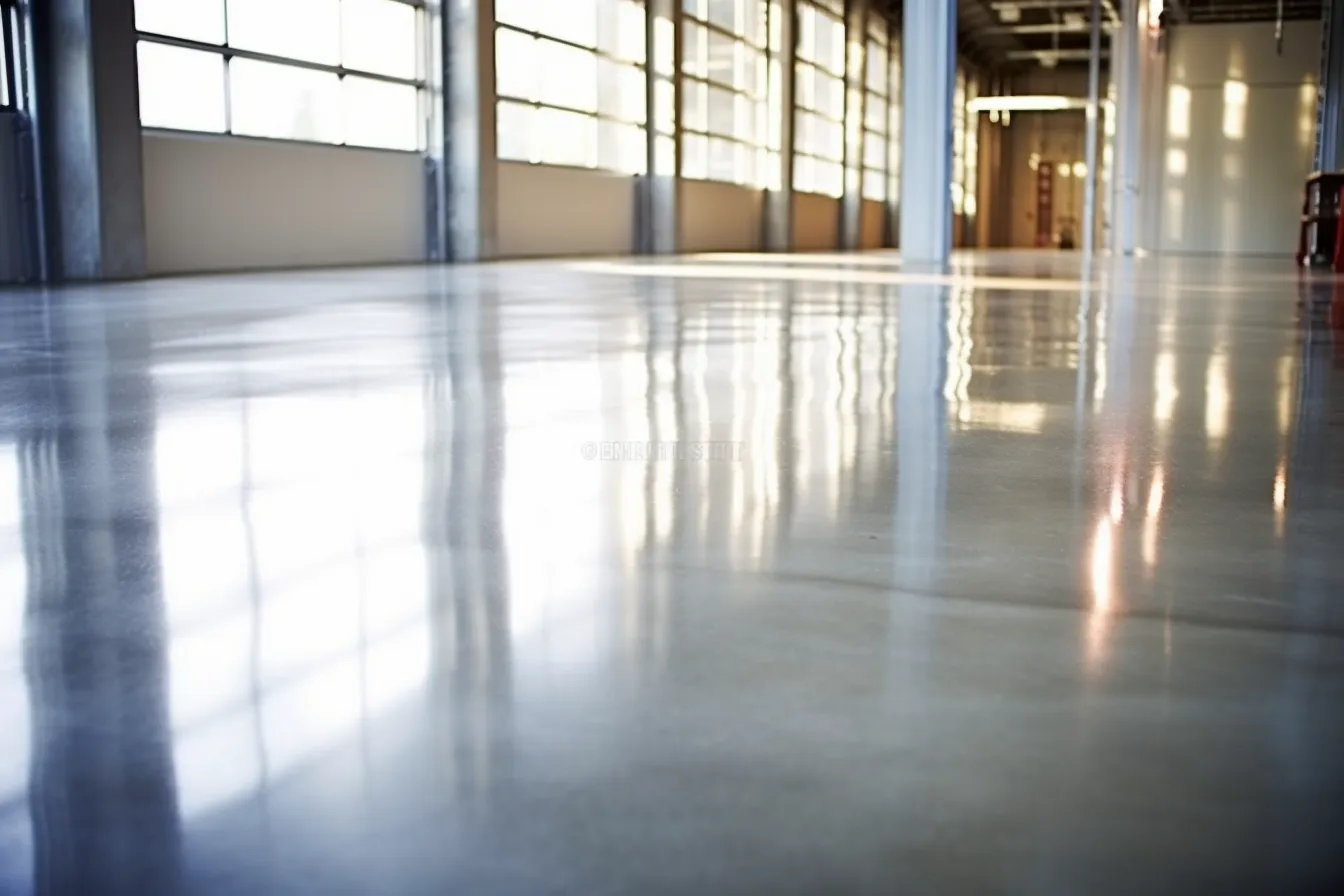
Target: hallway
(718, 574)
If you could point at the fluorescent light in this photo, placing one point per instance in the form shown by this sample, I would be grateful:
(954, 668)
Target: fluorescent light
(1026, 103)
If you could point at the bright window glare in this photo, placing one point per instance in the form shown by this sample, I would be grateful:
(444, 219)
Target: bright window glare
(380, 114)
(201, 20)
(578, 99)
(185, 89)
(282, 101)
(181, 88)
(298, 29)
(379, 36)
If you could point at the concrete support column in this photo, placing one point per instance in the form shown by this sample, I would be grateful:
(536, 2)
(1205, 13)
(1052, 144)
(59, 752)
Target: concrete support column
(1330, 89)
(89, 115)
(463, 165)
(856, 94)
(782, 111)
(928, 68)
(659, 220)
(1127, 116)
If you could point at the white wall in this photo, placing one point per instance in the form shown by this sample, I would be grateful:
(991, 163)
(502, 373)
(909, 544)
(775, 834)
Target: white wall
(226, 203)
(816, 222)
(1240, 189)
(549, 210)
(718, 217)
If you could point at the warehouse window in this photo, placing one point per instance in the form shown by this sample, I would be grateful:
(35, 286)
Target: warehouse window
(877, 79)
(8, 75)
(820, 90)
(328, 71)
(726, 134)
(570, 81)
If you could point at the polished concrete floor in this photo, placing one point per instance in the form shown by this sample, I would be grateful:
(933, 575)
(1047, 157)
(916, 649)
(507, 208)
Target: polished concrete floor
(718, 575)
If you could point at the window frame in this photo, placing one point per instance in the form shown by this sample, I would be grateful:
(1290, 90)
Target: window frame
(832, 10)
(599, 116)
(228, 53)
(758, 147)
(9, 61)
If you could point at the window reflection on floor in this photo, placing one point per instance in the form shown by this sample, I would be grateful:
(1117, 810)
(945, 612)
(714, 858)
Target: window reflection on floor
(15, 744)
(294, 580)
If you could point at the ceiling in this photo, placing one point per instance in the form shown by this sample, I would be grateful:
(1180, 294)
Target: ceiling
(1027, 33)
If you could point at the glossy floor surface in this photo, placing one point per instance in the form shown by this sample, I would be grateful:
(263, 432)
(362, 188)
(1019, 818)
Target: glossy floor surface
(720, 575)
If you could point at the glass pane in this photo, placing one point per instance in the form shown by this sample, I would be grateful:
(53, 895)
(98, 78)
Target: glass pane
(695, 160)
(513, 123)
(665, 106)
(515, 64)
(565, 138)
(803, 173)
(830, 96)
(201, 20)
(271, 100)
(875, 113)
(300, 29)
(721, 107)
(744, 69)
(621, 89)
(695, 97)
(622, 35)
(722, 50)
(573, 20)
(874, 151)
(877, 68)
(874, 185)
(181, 88)
(569, 76)
(695, 49)
(381, 114)
(379, 36)
(830, 178)
(622, 148)
(724, 13)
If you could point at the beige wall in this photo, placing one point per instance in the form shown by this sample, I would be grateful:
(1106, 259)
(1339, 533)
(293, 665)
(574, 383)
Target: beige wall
(873, 232)
(717, 217)
(550, 210)
(1232, 172)
(816, 222)
(228, 203)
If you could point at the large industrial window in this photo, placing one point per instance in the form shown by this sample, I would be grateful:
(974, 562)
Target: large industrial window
(726, 135)
(328, 71)
(8, 82)
(819, 142)
(570, 80)
(877, 106)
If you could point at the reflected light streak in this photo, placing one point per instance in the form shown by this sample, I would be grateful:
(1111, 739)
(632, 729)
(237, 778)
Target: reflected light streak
(1178, 112)
(1101, 573)
(1285, 395)
(1280, 497)
(1216, 399)
(1166, 393)
(1234, 109)
(1151, 524)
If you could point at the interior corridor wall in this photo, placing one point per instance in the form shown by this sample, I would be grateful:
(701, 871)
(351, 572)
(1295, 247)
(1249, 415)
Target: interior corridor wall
(547, 210)
(218, 203)
(720, 217)
(1238, 138)
(816, 222)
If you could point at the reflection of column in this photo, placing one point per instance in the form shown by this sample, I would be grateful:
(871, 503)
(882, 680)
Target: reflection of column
(921, 479)
(921, 435)
(468, 556)
(103, 793)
